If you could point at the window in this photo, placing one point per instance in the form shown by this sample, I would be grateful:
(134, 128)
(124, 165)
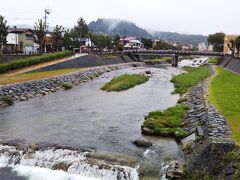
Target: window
(29, 37)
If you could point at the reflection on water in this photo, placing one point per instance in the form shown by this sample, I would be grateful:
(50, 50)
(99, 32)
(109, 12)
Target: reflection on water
(89, 117)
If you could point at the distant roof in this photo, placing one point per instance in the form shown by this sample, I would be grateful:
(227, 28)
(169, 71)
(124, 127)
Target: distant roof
(128, 38)
(19, 30)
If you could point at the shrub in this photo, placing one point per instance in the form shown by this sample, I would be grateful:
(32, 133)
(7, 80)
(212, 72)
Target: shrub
(20, 63)
(124, 82)
(66, 86)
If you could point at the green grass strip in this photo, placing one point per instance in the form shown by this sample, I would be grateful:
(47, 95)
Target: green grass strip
(124, 82)
(185, 81)
(168, 122)
(225, 95)
(20, 63)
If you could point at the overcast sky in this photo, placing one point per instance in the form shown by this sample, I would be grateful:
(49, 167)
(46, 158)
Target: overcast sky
(184, 16)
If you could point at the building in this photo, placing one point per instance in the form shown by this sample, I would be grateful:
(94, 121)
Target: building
(227, 40)
(131, 43)
(202, 46)
(187, 47)
(21, 41)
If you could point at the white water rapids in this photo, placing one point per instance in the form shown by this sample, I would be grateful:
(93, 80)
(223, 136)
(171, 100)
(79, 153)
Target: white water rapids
(49, 164)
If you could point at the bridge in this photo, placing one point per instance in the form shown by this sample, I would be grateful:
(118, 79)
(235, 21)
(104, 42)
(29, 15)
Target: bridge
(137, 54)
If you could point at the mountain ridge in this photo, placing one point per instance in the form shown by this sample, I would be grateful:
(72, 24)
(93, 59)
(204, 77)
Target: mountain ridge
(124, 27)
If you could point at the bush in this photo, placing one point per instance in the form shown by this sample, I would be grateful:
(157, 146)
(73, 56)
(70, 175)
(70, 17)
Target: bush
(20, 63)
(7, 100)
(124, 82)
(167, 122)
(66, 86)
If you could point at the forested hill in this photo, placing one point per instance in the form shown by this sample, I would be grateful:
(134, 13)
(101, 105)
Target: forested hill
(123, 27)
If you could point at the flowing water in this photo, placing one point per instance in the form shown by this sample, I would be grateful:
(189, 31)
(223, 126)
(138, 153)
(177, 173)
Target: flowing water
(89, 118)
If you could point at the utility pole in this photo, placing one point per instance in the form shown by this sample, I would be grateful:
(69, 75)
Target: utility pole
(47, 12)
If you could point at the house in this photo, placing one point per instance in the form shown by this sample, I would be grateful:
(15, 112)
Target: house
(22, 41)
(131, 43)
(227, 40)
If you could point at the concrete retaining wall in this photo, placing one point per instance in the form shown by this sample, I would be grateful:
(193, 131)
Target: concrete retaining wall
(85, 61)
(231, 63)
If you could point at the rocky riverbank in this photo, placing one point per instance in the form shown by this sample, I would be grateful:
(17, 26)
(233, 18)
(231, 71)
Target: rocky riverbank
(35, 88)
(210, 137)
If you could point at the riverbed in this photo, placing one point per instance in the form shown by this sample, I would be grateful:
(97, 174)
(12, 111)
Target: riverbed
(87, 117)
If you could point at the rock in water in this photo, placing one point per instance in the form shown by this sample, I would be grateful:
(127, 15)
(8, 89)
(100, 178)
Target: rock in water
(174, 170)
(148, 72)
(142, 143)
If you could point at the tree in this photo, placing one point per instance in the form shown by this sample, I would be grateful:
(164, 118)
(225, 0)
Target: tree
(74, 38)
(3, 33)
(148, 44)
(116, 41)
(237, 44)
(81, 28)
(231, 45)
(57, 36)
(40, 33)
(162, 45)
(217, 41)
(67, 41)
(102, 41)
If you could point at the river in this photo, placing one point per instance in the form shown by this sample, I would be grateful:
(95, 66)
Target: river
(87, 117)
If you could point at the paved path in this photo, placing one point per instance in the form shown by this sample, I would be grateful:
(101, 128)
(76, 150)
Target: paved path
(45, 64)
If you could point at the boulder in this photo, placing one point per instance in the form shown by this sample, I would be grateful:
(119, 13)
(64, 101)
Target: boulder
(148, 72)
(142, 143)
(174, 170)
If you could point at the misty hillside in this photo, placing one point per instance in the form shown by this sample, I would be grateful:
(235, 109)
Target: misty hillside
(182, 38)
(123, 27)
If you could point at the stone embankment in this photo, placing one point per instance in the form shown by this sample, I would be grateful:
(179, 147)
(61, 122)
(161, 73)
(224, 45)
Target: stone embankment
(35, 88)
(202, 117)
(210, 136)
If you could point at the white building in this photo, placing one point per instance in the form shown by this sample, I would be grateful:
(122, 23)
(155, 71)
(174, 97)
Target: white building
(131, 43)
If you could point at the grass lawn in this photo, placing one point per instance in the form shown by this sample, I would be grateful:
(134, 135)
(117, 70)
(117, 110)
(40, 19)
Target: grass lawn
(168, 122)
(185, 81)
(224, 93)
(10, 79)
(125, 82)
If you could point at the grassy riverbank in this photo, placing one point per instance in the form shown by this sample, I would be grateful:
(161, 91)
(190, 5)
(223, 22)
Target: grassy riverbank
(10, 79)
(125, 81)
(157, 60)
(185, 81)
(224, 93)
(27, 61)
(166, 123)
(213, 60)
